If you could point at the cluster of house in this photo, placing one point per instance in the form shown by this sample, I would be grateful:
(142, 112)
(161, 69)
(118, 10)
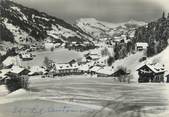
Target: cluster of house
(91, 64)
(50, 42)
(79, 46)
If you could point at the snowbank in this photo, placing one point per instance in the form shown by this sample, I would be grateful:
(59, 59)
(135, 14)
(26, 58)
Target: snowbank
(18, 92)
(3, 90)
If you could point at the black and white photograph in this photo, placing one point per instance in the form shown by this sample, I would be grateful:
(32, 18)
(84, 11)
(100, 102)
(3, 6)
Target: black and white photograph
(84, 58)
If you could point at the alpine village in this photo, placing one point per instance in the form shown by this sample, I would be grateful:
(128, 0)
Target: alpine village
(35, 44)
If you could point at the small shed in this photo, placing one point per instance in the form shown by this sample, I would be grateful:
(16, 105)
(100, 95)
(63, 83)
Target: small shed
(121, 72)
(18, 71)
(151, 73)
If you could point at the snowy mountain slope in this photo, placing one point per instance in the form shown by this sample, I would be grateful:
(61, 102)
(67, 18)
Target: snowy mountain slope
(27, 25)
(100, 29)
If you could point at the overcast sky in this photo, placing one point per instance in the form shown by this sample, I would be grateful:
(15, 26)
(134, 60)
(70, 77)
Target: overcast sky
(105, 10)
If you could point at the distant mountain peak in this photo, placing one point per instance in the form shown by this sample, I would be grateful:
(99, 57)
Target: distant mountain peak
(101, 29)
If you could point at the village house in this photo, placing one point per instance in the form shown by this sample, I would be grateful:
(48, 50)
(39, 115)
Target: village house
(93, 55)
(120, 72)
(85, 68)
(102, 61)
(17, 71)
(106, 71)
(151, 73)
(93, 70)
(36, 70)
(66, 69)
(140, 46)
(25, 56)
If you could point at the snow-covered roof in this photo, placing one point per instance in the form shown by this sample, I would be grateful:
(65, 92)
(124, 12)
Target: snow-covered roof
(66, 66)
(94, 56)
(26, 55)
(95, 52)
(142, 44)
(95, 68)
(106, 70)
(16, 69)
(9, 61)
(155, 67)
(103, 58)
(3, 72)
(36, 69)
(86, 66)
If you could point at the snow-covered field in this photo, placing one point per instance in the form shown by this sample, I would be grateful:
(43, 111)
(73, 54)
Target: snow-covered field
(59, 55)
(86, 97)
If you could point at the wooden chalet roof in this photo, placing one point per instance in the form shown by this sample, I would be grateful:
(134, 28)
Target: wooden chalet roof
(155, 67)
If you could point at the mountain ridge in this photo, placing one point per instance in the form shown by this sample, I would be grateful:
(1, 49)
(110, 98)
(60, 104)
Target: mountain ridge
(99, 29)
(38, 25)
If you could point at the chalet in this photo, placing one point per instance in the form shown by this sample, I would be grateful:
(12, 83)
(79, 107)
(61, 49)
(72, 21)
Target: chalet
(151, 73)
(102, 61)
(140, 46)
(94, 70)
(25, 56)
(66, 69)
(121, 72)
(17, 71)
(93, 55)
(105, 71)
(85, 68)
(36, 70)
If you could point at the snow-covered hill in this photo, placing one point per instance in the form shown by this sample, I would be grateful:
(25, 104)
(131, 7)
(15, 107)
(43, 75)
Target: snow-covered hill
(100, 29)
(26, 25)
